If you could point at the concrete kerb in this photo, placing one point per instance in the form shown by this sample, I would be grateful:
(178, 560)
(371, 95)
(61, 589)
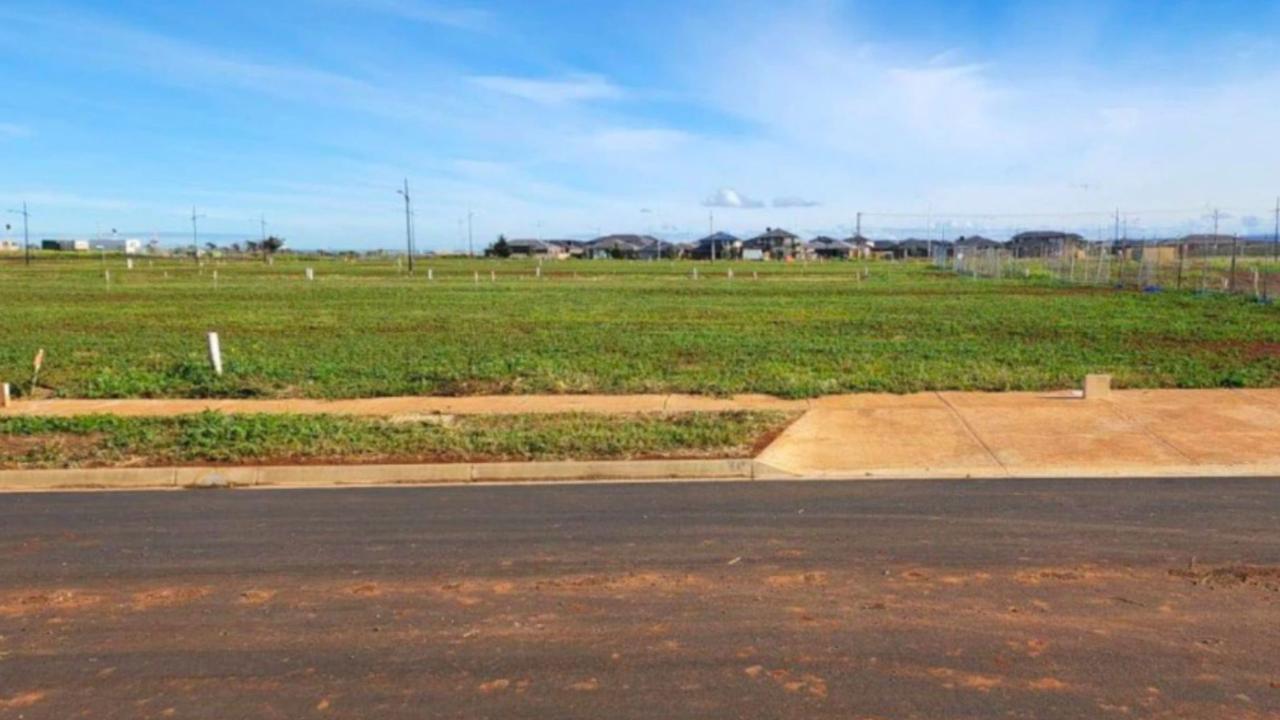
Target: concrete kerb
(344, 475)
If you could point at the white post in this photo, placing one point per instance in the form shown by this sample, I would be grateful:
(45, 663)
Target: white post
(476, 277)
(311, 274)
(537, 272)
(215, 279)
(729, 274)
(493, 276)
(431, 274)
(215, 354)
(5, 397)
(755, 275)
(695, 273)
(128, 263)
(106, 274)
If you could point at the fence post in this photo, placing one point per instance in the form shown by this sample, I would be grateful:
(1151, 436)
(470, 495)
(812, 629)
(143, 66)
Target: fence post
(1235, 245)
(215, 354)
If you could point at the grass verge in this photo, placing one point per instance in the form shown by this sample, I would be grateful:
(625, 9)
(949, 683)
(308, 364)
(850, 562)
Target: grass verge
(213, 438)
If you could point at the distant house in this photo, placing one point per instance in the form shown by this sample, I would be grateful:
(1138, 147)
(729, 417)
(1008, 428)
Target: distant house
(863, 247)
(776, 244)
(621, 246)
(658, 249)
(1047, 243)
(970, 243)
(829, 248)
(69, 245)
(914, 248)
(9, 246)
(884, 249)
(128, 246)
(525, 247)
(720, 245)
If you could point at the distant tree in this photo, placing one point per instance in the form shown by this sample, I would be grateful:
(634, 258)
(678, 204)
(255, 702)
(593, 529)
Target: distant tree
(210, 247)
(235, 248)
(272, 245)
(500, 248)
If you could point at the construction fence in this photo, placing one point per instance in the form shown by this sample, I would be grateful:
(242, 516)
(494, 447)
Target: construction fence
(1239, 268)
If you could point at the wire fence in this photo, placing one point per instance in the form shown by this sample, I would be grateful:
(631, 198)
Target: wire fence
(1233, 267)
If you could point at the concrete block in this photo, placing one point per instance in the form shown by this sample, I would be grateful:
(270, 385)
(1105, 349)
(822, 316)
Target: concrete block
(1097, 387)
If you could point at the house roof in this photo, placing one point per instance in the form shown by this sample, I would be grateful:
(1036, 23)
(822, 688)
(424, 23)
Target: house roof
(1041, 235)
(822, 242)
(976, 241)
(622, 242)
(534, 244)
(859, 240)
(721, 238)
(776, 234)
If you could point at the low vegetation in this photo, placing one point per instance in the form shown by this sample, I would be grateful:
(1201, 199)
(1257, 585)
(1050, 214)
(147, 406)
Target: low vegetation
(215, 438)
(367, 328)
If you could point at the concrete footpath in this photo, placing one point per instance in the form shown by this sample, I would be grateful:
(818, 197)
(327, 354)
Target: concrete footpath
(950, 434)
(1151, 433)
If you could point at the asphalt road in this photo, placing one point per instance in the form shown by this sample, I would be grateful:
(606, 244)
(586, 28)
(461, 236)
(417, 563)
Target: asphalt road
(1023, 599)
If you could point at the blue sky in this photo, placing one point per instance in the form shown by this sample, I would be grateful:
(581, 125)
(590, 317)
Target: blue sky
(562, 119)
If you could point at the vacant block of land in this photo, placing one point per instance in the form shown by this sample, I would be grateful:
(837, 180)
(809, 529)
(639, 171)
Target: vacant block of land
(367, 328)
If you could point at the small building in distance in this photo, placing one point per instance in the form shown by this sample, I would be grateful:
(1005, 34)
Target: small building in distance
(1047, 243)
(64, 245)
(128, 246)
(863, 247)
(774, 244)
(829, 248)
(968, 244)
(528, 247)
(884, 249)
(624, 246)
(722, 244)
(9, 246)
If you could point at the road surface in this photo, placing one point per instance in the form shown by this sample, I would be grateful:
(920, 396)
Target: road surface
(1032, 598)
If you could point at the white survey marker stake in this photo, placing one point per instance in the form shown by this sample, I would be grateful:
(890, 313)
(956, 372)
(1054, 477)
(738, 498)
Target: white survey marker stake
(5, 396)
(311, 274)
(215, 354)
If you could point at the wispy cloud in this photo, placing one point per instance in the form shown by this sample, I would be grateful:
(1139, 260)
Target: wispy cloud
(552, 91)
(730, 198)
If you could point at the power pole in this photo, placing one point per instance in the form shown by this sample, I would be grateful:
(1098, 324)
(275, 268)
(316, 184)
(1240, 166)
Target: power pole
(1275, 239)
(408, 223)
(471, 248)
(26, 236)
(262, 221)
(711, 232)
(195, 234)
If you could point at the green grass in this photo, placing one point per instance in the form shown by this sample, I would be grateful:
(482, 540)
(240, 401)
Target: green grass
(365, 329)
(105, 441)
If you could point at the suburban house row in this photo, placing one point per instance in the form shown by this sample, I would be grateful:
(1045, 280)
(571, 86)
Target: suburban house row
(779, 244)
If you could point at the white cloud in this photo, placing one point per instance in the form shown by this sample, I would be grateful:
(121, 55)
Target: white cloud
(636, 140)
(730, 198)
(570, 89)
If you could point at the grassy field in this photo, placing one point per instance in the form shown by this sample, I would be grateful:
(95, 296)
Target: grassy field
(109, 441)
(365, 328)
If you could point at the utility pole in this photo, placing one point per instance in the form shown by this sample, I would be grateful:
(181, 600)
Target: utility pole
(195, 234)
(711, 232)
(26, 236)
(408, 224)
(471, 248)
(1275, 239)
(262, 221)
